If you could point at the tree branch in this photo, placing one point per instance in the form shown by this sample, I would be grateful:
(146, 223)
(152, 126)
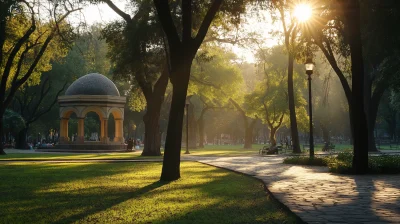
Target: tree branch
(207, 22)
(186, 21)
(38, 115)
(125, 16)
(21, 81)
(11, 57)
(167, 23)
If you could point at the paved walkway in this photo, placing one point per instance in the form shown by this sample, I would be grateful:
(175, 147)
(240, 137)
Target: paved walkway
(317, 196)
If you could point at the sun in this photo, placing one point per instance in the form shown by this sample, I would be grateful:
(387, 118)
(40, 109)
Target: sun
(302, 12)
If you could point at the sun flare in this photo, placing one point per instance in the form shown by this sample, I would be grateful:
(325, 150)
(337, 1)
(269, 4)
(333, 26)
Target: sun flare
(302, 12)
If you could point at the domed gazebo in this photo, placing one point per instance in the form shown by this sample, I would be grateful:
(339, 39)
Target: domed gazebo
(92, 93)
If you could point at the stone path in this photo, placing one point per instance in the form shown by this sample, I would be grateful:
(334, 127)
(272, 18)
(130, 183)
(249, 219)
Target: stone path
(317, 196)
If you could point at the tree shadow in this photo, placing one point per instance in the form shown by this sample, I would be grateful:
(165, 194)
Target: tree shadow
(112, 200)
(41, 200)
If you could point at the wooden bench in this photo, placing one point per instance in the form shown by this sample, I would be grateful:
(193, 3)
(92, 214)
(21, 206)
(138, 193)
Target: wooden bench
(269, 151)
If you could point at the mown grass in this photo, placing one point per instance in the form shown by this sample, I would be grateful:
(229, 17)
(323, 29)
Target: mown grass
(208, 150)
(75, 156)
(131, 193)
(224, 150)
(238, 150)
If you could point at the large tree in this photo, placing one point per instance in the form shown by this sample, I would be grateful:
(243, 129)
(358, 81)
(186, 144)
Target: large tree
(381, 60)
(351, 11)
(33, 102)
(337, 31)
(138, 50)
(27, 43)
(180, 24)
(269, 100)
(291, 29)
(215, 80)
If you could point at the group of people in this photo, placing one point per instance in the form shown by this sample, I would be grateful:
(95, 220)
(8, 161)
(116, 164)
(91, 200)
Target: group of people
(132, 144)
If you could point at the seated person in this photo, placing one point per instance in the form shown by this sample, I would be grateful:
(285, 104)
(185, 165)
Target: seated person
(273, 150)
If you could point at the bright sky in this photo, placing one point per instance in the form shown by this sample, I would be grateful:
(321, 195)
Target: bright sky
(101, 13)
(261, 25)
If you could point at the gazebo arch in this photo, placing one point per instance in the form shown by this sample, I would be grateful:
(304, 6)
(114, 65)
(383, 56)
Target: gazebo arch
(65, 114)
(92, 93)
(118, 114)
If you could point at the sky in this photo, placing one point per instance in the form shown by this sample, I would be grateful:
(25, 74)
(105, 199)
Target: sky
(101, 13)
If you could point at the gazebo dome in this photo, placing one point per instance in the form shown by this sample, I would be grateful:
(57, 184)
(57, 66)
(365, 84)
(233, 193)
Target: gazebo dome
(92, 84)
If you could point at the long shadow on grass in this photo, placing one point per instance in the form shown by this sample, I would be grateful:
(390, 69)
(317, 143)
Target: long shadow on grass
(235, 200)
(113, 199)
(216, 196)
(23, 181)
(40, 190)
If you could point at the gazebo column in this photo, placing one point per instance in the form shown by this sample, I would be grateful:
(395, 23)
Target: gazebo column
(104, 130)
(119, 130)
(81, 130)
(64, 130)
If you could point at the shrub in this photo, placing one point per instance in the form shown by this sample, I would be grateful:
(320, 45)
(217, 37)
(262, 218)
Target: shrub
(342, 163)
(303, 160)
(382, 164)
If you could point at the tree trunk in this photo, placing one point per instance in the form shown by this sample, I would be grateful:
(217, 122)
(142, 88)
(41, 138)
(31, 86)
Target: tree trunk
(325, 134)
(152, 137)
(360, 133)
(200, 123)
(373, 112)
(371, 107)
(192, 127)
(343, 81)
(265, 134)
(248, 135)
(248, 138)
(292, 108)
(154, 100)
(1, 135)
(21, 140)
(172, 153)
(272, 136)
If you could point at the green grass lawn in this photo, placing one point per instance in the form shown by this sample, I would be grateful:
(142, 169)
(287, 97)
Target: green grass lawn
(131, 193)
(76, 156)
(237, 150)
(208, 150)
(224, 150)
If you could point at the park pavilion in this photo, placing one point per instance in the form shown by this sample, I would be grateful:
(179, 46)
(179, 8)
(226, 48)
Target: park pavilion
(92, 93)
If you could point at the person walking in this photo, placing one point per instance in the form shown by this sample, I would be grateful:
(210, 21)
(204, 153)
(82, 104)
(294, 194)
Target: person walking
(130, 145)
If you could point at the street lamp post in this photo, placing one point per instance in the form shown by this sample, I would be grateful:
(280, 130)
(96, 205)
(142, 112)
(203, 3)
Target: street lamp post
(187, 126)
(309, 71)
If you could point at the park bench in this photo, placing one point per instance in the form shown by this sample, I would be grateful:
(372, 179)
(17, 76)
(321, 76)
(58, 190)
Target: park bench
(329, 147)
(270, 150)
